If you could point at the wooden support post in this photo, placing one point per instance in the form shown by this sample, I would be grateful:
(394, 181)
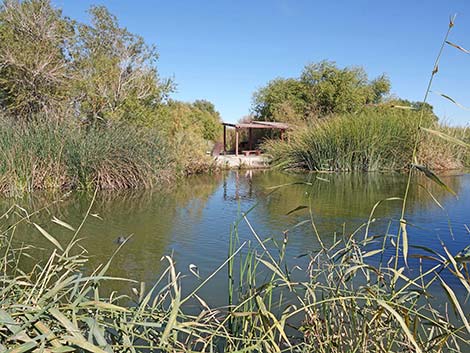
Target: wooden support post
(236, 142)
(250, 138)
(282, 135)
(225, 139)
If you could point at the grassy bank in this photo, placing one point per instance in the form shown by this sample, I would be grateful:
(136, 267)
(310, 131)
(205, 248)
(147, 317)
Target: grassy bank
(42, 155)
(374, 139)
(351, 299)
(83, 105)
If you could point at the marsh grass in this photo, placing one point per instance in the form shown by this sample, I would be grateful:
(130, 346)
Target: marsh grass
(41, 155)
(349, 299)
(372, 140)
(358, 295)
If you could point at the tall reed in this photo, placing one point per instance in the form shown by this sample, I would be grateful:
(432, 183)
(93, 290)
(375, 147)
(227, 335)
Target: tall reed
(349, 300)
(41, 155)
(372, 140)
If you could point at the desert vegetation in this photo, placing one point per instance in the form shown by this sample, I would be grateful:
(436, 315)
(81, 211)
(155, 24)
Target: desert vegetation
(343, 121)
(83, 105)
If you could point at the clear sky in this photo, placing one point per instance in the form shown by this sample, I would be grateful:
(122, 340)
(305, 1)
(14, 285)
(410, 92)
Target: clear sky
(223, 50)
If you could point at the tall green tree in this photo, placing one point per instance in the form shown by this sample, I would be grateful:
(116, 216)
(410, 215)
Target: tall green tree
(117, 74)
(199, 118)
(336, 90)
(35, 74)
(283, 99)
(209, 118)
(322, 89)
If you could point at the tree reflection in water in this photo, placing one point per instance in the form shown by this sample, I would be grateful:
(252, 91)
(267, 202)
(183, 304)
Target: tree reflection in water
(192, 219)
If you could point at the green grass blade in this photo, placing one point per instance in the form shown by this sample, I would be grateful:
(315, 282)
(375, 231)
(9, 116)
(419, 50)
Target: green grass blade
(48, 236)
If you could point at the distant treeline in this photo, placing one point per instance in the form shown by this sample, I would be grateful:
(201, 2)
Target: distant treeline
(67, 75)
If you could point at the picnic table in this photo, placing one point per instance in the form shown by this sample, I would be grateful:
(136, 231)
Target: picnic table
(248, 152)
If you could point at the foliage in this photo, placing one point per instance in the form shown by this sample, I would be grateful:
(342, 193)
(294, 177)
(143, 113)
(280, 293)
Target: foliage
(209, 118)
(199, 117)
(34, 61)
(116, 76)
(100, 71)
(344, 90)
(189, 127)
(378, 138)
(39, 155)
(283, 99)
(321, 90)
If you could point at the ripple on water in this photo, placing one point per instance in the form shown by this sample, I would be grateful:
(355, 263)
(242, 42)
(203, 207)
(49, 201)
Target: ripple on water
(193, 220)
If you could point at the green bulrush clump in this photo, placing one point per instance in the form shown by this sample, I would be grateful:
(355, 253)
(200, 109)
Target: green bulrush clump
(42, 155)
(374, 139)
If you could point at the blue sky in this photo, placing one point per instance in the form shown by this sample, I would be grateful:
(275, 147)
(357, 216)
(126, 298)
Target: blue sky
(224, 50)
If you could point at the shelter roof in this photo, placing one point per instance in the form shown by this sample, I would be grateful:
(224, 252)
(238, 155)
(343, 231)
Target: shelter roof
(259, 125)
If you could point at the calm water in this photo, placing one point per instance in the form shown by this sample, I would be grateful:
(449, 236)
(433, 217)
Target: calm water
(192, 221)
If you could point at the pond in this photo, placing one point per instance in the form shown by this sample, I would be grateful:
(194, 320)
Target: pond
(192, 221)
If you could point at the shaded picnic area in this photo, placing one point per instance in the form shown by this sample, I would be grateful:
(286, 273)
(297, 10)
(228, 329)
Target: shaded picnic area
(249, 127)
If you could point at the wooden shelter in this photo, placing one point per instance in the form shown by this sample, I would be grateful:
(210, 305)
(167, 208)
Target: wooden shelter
(282, 127)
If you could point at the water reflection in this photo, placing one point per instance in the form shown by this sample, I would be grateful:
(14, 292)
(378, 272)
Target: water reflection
(192, 219)
(147, 216)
